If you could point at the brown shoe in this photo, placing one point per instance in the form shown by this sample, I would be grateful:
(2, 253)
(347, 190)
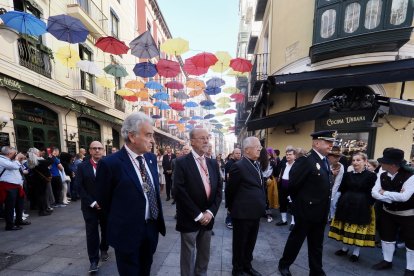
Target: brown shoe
(382, 265)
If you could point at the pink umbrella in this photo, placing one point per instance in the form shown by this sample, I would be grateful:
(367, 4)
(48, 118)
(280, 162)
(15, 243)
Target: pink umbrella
(174, 85)
(191, 69)
(230, 111)
(193, 122)
(177, 106)
(241, 65)
(238, 97)
(204, 59)
(168, 68)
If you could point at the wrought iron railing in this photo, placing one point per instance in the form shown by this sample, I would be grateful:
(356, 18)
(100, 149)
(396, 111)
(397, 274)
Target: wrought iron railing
(93, 11)
(260, 68)
(119, 103)
(35, 57)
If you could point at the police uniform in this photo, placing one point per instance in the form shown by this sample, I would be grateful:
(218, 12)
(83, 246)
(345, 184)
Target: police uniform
(310, 186)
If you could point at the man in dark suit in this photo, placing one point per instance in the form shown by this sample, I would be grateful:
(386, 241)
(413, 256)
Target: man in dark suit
(247, 204)
(167, 168)
(197, 189)
(128, 193)
(91, 210)
(236, 156)
(310, 185)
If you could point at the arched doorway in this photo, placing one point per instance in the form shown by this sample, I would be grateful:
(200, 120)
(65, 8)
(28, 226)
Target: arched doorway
(88, 131)
(35, 126)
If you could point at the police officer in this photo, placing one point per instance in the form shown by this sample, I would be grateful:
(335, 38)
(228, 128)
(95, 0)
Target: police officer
(310, 182)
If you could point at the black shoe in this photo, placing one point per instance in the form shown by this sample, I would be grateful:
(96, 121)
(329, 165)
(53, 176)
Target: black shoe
(168, 198)
(382, 265)
(13, 228)
(408, 272)
(212, 233)
(281, 223)
(93, 268)
(340, 252)
(284, 271)
(173, 202)
(291, 227)
(238, 273)
(44, 213)
(353, 258)
(24, 222)
(104, 256)
(253, 272)
(175, 216)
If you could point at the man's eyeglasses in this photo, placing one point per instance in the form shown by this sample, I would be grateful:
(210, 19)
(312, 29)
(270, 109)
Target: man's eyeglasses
(96, 148)
(257, 147)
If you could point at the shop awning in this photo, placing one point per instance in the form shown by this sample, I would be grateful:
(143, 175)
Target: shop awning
(401, 108)
(302, 114)
(361, 75)
(166, 134)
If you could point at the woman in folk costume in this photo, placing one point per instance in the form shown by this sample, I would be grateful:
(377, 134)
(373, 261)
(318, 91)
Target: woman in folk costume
(354, 221)
(267, 170)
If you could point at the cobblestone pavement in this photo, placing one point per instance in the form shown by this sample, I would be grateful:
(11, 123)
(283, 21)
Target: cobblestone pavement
(55, 245)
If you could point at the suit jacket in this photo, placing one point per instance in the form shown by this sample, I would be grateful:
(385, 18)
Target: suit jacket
(190, 195)
(166, 163)
(122, 199)
(85, 180)
(310, 188)
(245, 192)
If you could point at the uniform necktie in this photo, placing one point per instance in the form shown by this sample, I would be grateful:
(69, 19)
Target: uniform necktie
(204, 175)
(152, 199)
(326, 162)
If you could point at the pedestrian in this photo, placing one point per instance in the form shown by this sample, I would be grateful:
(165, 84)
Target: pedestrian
(128, 194)
(247, 204)
(167, 168)
(113, 150)
(310, 182)
(395, 189)
(178, 153)
(338, 171)
(161, 176)
(267, 171)
(57, 185)
(233, 157)
(197, 189)
(91, 208)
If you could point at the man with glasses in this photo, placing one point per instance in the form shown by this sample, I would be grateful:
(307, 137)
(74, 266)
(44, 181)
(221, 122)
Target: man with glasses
(246, 202)
(91, 209)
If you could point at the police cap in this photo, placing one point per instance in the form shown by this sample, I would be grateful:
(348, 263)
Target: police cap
(327, 135)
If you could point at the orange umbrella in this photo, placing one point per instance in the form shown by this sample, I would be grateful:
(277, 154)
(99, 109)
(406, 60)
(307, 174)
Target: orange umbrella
(134, 84)
(196, 84)
(196, 93)
(142, 94)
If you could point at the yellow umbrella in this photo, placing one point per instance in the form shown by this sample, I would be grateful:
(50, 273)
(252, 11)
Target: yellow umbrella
(134, 84)
(67, 56)
(223, 100)
(223, 56)
(195, 93)
(230, 90)
(223, 62)
(105, 82)
(195, 84)
(233, 73)
(218, 114)
(226, 120)
(219, 67)
(125, 92)
(223, 105)
(175, 46)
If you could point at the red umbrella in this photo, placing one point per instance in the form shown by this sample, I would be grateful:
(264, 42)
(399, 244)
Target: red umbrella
(238, 97)
(191, 69)
(112, 45)
(241, 65)
(230, 111)
(177, 106)
(130, 98)
(171, 122)
(168, 68)
(174, 85)
(204, 59)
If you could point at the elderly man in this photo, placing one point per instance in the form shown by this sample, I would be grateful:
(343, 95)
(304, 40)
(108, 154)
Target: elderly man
(247, 204)
(197, 188)
(395, 188)
(128, 193)
(236, 156)
(310, 182)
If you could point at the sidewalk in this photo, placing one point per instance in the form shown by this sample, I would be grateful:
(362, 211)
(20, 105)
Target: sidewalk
(55, 245)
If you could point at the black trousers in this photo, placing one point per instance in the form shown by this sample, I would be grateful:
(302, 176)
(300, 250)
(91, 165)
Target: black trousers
(168, 184)
(57, 189)
(283, 198)
(244, 240)
(390, 224)
(93, 220)
(139, 261)
(13, 203)
(39, 190)
(314, 232)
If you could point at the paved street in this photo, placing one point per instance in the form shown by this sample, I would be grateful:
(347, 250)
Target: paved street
(55, 245)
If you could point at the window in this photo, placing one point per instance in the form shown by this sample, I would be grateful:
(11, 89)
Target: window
(86, 78)
(328, 23)
(398, 11)
(149, 26)
(352, 15)
(373, 14)
(114, 24)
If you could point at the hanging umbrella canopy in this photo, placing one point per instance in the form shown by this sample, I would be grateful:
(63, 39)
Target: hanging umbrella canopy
(161, 96)
(223, 56)
(233, 73)
(172, 122)
(209, 116)
(67, 56)
(112, 45)
(230, 90)
(223, 62)
(195, 84)
(218, 126)
(156, 116)
(67, 28)
(144, 46)
(230, 111)
(193, 122)
(218, 114)
(195, 93)
(125, 92)
(214, 121)
(175, 46)
(216, 131)
(219, 67)
(154, 85)
(196, 117)
(168, 68)
(237, 97)
(212, 90)
(223, 100)
(223, 105)
(204, 59)
(206, 103)
(162, 105)
(89, 67)
(134, 84)
(241, 65)
(24, 23)
(177, 106)
(192, 69)
(142, 94)
(181, 95)
(209, 107)
(182, 120)
(174, 85)
(191, 104)
(215, 82)
(144, 103)
(105, 82)
(145, 70)
(130, 98)
(116, 70)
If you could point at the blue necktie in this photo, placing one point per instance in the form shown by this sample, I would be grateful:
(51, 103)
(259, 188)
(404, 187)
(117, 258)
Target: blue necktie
(152, 199)
(325, 160)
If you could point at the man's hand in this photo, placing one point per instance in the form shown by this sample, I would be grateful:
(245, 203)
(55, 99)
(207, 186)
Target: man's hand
(206, 218)
(97, 206)
(381, 192)
(169, 171)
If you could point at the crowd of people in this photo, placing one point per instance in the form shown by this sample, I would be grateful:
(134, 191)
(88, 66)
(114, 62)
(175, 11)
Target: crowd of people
(366, 203)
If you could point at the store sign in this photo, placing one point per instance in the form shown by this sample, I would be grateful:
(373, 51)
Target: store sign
(346, 120)
(71, 147)
(11, 84)
(4, 139)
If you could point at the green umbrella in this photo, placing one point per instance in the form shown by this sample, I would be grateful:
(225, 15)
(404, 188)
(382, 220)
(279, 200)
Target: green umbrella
(116, 70)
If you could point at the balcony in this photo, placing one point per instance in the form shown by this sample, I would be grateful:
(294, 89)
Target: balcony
(119, 103)
(259, 73)
(35, 56)
(91, 15)
(260, 10)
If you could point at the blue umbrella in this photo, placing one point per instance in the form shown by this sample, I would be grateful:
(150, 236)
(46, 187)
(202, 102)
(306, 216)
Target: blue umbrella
(218, 126)
(209, 116)
(206, 103)
(144, 46)
(189, 126)
(145, 70)
(216, 131)
(191, 104)
(181, 95)
(154, 85)
(210, 90)
(67, 28)
(196, 118)
(215, 82)
(182, 121)
(116, 70)
(156, 116)
(24, 23)
(161, 96)
(209, 107)
(162, 105)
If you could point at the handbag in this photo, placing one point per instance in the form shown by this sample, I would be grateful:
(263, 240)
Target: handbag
(65, 178)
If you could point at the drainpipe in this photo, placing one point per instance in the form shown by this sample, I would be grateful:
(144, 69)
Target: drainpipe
(402, 90)
(66, 126)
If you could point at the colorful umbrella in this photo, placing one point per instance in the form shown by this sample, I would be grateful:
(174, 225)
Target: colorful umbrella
(177, 106)
(67, 28)
(144, 103)
(230, 90)
(89, 67)
(222, 63)
(116, 70)
(233, 73)
(130, 98)
(125, 92)
(171, 122)
(206, 103)
(209, 107)
(105, 82)
(195, 93)
(189, 127)
(237, 97)
(154, 85)
(196, 117)
(223, 56)
(161, 96)
(223, 105)
(174, 85)
(168, 68)
(162, 105)
(191, 104)
(175, 46)
(212, 90)
(191, 69)
(144, 46)
(145, 70)
(112, 45)
(67, 56)
(223, 100)
(142, 94)
(214, 121)
(181, 95)
(215, 82)
(134, 84)
(218, 114)
(230, 111)
(204, 59)
(195, 84)
(24, 23)
(209, 116)
(192, 122)
(182, 120)
(241, 65)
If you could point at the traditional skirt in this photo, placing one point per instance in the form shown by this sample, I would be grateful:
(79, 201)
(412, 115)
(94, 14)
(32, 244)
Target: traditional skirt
(353, 234)
(272, 193)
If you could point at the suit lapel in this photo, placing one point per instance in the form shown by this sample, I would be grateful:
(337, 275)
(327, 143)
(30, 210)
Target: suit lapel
(251, 169)
(321, 163)
(130, 169)
(194, 168)
(211, 172)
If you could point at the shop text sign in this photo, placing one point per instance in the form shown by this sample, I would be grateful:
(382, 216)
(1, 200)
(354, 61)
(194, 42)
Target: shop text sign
(346, 120)
(10, 83)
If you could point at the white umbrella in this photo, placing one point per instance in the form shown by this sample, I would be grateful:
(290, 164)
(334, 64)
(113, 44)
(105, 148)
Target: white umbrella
(89, 67)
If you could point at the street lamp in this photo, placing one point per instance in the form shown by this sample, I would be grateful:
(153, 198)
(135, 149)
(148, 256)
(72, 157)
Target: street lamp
(3, 121)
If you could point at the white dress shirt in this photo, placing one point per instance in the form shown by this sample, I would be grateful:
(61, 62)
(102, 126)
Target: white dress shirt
(11, 173)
